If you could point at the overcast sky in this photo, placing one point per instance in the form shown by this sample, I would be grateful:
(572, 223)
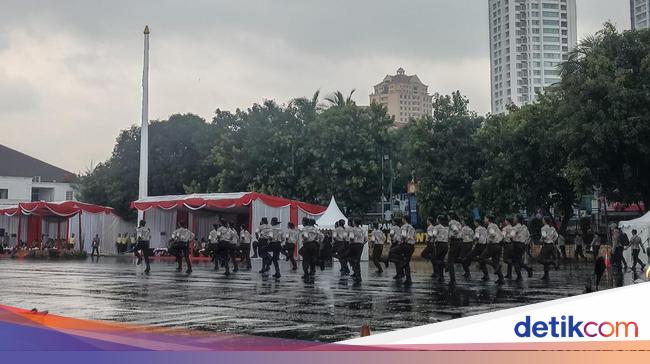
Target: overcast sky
(70, 71)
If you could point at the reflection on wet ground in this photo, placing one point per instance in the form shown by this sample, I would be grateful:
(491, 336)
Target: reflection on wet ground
(332, 309)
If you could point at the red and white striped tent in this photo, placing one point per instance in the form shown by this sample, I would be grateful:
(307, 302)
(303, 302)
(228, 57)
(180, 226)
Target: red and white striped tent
(35, 221)
(200, 211)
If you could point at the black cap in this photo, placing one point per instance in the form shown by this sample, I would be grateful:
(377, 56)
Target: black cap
(274, 221)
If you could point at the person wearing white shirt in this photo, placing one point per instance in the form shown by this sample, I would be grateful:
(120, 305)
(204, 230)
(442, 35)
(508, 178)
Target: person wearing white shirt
(549, 249)
(492, 253)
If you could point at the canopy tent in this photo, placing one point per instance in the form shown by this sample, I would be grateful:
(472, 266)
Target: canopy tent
(34, 221)
(200, 211)
(641, 224)
(332, 215)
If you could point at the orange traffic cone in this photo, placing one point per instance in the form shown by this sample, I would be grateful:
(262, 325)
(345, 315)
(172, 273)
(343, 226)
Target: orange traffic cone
(365, 330)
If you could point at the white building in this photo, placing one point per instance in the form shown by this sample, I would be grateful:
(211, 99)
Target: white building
(26, 179)
(528, 40)
(640, 14)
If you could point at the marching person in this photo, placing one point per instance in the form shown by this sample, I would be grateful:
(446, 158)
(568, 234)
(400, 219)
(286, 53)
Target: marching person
(143, 234)
(466, 245)
(357, 243)
(275, 245)
(395, 254)
(441, 237)
(224, 237)
(520, 237)
(348, 238)
(310, 240)
(264, 233)
(339, 237)
(480, 238)
(233, 246)
(245, 245)
(549, 239)
(455, 241)
(507, 232)
(181, 238)
(430, 250)
(636, 245)
(407, 246)
(492, 253)
(290, 242)
(378, 238)
(213, 244)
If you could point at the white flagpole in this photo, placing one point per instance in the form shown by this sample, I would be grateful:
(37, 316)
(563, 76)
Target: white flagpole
(144, 129)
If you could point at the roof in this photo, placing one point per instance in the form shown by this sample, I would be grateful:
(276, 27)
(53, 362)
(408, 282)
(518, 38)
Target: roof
(61, 209)
(17, 164)
(198, 201)
(332, 215)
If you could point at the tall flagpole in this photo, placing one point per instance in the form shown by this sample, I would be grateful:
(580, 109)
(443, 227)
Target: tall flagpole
(144, 128)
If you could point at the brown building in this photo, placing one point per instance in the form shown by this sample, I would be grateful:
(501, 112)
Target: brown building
(406, 97)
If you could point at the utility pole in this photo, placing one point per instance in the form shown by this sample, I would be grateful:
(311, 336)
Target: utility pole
(143, 186)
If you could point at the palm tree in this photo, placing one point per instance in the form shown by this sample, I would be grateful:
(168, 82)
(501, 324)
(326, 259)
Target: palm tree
(337, 99)
(307, 107)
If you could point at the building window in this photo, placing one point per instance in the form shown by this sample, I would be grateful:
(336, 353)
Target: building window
(4, 194)
(69, 195)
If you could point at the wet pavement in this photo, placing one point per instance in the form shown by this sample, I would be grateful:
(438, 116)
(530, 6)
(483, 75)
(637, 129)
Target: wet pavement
(329, 310)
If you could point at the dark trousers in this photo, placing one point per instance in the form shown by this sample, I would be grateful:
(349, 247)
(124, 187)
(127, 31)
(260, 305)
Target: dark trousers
(441, 251)
(275, 248)
(580, 253)
(245, 251)
(517, 257)
(95, 250)
(547, 257)
(465, 256)
(476, 254)
(429, 253)
(212, 251)
(404, 251)
(341, 252)
(288, 250)
(377, 251)
(144, 246)
(263, 251)
(309, 252)
(508, 250)
(183, 252)
(636, 259)
(452, 257)
(492, 256)
(255, 248)
(223, 255)
(356, 249)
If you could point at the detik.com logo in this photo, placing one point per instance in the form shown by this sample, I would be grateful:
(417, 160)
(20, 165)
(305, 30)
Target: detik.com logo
(568, 326)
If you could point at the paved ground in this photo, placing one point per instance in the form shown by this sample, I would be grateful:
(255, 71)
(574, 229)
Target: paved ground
(331, 309)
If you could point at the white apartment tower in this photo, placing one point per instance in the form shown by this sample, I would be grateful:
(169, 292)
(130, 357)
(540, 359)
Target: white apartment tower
(528, 41)
(640, 14)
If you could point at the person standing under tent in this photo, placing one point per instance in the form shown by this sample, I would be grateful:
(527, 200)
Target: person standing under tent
(290, 242)
(549, 239)
(441, 237)
(357, 243)
(72, 242)
(263, 235)
(520, 237)
(275, 245)
(492, 253)
(378, 238)
(507, 245)
(95, 247)
(143, 234)
(181, 238)
(233, 246)
(636, 245)
(455, 241)
(339, 237)
(245, 245)
(466, 245)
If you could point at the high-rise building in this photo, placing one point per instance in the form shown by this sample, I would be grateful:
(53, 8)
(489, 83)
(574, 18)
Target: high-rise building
(405, 97)
(640, 14)
(528, 41)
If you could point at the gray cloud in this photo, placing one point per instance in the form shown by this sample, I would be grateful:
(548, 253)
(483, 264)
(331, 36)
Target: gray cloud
(77, 63)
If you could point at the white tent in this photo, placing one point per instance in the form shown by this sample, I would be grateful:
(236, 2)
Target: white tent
(641, 224)
(331, 216)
